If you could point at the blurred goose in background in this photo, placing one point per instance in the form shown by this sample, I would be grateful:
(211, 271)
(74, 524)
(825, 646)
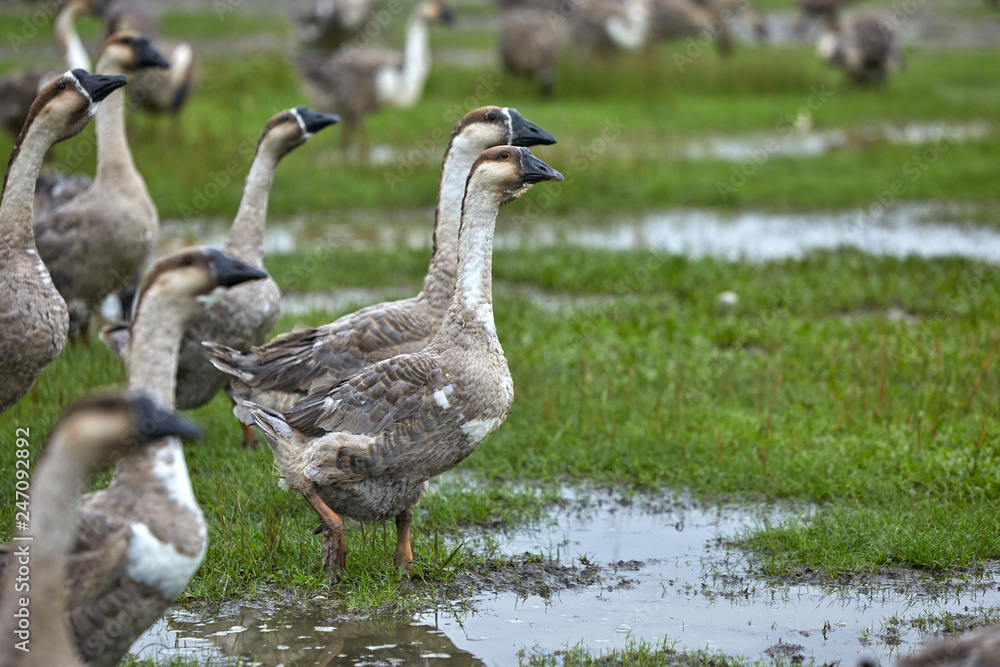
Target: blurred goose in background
(157, 90)
(94, 242)
(674, 19)
(328, 25)
(355, 82)
(529, 45)
(603, 27)
(245, 315)
(92, 433)
(139, 541)
(18, 91)
(865, 46)
(973, 649)
(33, 315)
(296, 364)
(367, 447)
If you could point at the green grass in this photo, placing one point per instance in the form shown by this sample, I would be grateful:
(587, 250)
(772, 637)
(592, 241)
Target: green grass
(805, 390)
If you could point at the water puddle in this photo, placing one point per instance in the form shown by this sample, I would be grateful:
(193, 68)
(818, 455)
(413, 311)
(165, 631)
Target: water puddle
(750, 235)
(663, 574)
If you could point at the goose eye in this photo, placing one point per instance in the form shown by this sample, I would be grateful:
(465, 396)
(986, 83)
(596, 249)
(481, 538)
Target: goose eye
(188, 260)
(491, 116)
(504, 155)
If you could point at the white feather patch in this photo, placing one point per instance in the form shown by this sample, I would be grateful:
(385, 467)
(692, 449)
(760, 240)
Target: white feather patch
(441, 396)
(158, 564)
(172, 470)
(477, 429)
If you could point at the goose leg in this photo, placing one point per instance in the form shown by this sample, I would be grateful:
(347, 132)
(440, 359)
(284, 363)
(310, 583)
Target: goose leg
(334, 545)
(403, 556)
(249, 437)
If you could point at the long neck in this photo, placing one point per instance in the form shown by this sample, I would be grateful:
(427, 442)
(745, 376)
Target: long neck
(154, 346)
(245, 239)
(55, 490)
(416, 60)
(19, 187)
(472, 301)
(114, 159)
(71, 48)
(458, 159)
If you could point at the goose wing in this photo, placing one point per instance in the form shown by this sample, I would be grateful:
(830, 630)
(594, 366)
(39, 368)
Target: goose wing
(408, 391)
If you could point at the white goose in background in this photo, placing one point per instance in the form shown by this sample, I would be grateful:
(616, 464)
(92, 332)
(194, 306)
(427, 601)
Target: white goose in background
(89, 436)
(367, 448)
(603, 27)
(354, 82)
(864, 45)
(296, 364)
(140, 540)
(33, 315)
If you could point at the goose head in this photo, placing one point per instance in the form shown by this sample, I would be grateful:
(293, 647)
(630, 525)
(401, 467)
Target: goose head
(191, 280)
(69, 101)
(508, 172)
(100, 429)
(292, 128)
(127, 52)
(490, 126)
(436, 11)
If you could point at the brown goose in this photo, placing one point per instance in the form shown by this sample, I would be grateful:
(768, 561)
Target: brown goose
(367, 447)
(156, 90)
(603, 27)
(865, 46)
(354, 82)
(295, 364)
(140, 540)
(92, 243)
(974, 649)
(245, 315)
(32, 313)
(91, 434)
(529, 44)
(328, 25)
(18, 91)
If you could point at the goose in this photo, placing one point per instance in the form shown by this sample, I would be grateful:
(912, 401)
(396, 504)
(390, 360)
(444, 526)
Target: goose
(328, 25)
(865, 46)
(245, 315)
(354, 82)
(367, 448)
(293, 365)
(155, 90)
(18, 91)
(91, 434)
(973, 649)
(140, 540)
(529, 44)
(33, 315)
(603, 27)
(92, 243)
(672, 19)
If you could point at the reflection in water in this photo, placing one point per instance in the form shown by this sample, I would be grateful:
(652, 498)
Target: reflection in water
(665, 576)
(299, 635)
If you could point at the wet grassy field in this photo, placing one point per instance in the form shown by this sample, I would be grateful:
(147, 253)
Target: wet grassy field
(863, 386)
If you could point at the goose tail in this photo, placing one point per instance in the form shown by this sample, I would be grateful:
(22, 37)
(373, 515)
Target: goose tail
(227, 360)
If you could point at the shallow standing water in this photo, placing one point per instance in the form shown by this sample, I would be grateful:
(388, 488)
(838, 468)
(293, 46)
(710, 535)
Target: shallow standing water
(663, 575)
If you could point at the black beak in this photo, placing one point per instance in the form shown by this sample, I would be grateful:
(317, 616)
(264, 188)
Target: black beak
(526, 133)
(99, 86)
(314, 120)
(534, 170)
(147, 56)
(155, 422)
(229, 271)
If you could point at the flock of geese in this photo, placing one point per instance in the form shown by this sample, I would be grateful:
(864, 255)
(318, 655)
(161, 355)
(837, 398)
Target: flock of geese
(359, 414)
